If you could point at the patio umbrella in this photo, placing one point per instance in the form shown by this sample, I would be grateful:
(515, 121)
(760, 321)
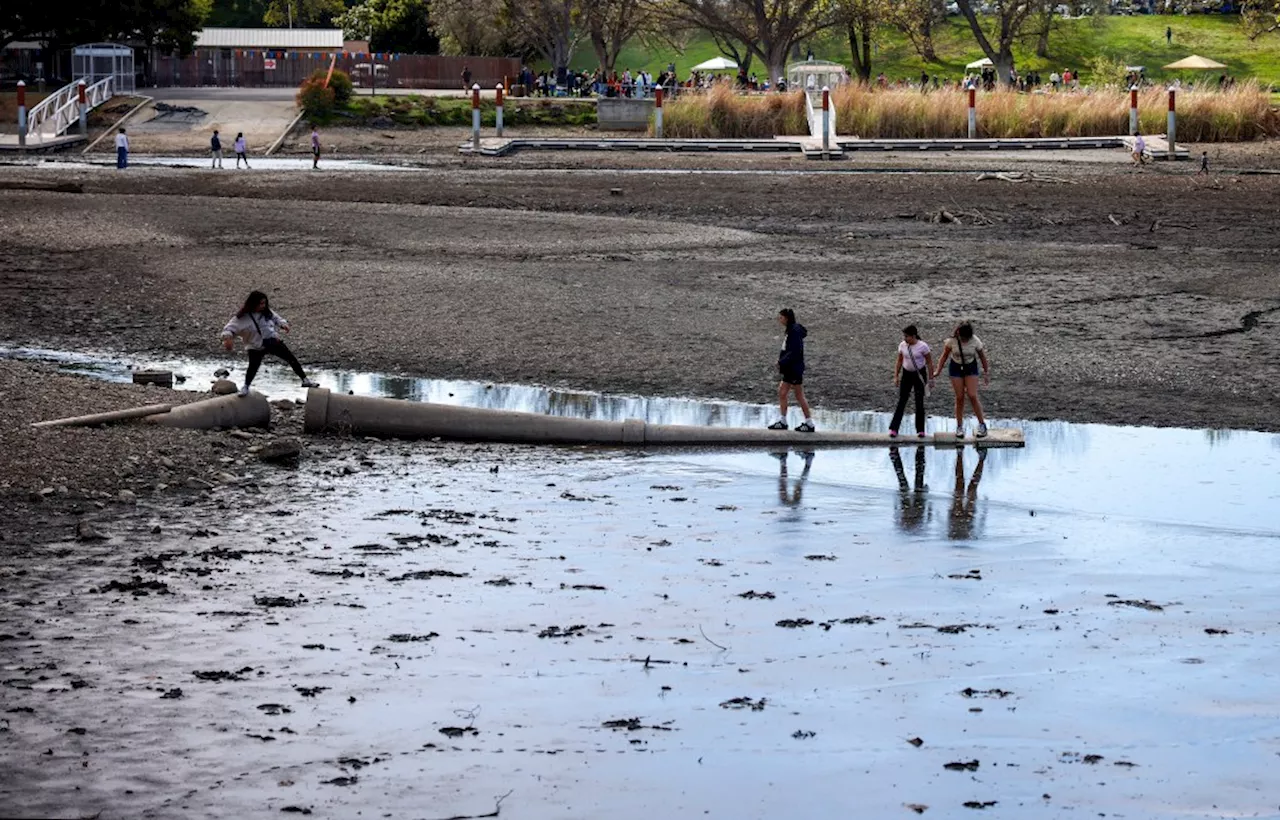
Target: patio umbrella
(716, 64)
(1195, 63)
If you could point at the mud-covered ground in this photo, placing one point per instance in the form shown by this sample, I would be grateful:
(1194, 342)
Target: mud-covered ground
(1118, 296)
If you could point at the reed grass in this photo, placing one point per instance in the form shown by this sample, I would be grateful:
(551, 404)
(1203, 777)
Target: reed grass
(1241, 113)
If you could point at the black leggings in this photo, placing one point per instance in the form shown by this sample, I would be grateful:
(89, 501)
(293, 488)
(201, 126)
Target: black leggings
(275, 347)
(911, 380)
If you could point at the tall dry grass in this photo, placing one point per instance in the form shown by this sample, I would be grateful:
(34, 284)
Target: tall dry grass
(722, 113)
(1241, 113)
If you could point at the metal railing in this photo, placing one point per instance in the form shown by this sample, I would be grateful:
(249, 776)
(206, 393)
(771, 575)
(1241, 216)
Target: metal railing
(59, 111)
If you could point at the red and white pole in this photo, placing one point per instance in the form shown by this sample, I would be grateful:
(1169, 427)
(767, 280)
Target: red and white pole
(475, 117)
(1173, 126)
(973, 113)
(22, 115)
(498, 111)
(657, 112)
(1133, 110)
(84, 110)
(826, 119)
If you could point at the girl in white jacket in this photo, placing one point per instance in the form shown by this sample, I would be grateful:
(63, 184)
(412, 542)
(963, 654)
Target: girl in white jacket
(259, 327)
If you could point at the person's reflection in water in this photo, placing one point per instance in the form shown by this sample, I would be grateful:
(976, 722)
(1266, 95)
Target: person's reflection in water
(911, 496)
(790, 492)
(964, 499)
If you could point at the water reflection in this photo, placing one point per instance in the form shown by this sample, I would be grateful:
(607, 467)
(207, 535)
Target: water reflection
(965, 520)
(791, 492)
(913, 497)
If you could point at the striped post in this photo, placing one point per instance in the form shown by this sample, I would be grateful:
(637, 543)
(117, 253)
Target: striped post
(84, 110)
(1173, 125)
(1133, 110)
(475, 117)
(657, 112)
(498, 111)
(22, 116)
(973, 113)
(826, 119)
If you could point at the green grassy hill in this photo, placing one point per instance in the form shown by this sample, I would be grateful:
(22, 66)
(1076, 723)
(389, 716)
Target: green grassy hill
(1136, 40)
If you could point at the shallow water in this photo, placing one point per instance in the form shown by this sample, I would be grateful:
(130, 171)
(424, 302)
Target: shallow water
(1077, 578)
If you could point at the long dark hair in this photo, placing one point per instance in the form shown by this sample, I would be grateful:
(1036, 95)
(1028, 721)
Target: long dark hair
(964, 331)
(789, 315)
(251, 304)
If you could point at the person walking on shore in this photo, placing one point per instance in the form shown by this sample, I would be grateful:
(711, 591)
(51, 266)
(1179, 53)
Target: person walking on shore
(241, 149)
(791, 371)
(215, 150)
(315, 148)
(911, 375)
(1139, 149)
(961, 353)
(259, 327)
(122, 149)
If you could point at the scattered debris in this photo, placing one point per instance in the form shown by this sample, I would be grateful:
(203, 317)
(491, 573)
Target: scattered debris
(277, 601)
(1212, 631)
(567, 632)
(918, 808)
(979, 804)
(803, 734)
(970, 692)
(916, 741)
(819, 558)
(1143, 604)
(745, 703)
(752, 595)
(794, 623)
(633, 725)
(971, 575)
(427, 574)
(310, 691)
(406, 638)
(458, 731)
(962, 766)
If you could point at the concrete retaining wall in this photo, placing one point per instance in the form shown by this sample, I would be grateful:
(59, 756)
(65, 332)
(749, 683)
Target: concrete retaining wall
(623, 114)
(368, 416)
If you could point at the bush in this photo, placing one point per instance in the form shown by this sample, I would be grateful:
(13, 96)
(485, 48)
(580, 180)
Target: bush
(316, 100)
(722, 113)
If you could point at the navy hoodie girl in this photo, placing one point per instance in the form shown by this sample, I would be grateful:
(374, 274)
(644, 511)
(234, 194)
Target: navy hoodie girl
(791, 370)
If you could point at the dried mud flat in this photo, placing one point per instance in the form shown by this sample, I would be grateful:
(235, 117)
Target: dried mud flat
(580, 634)
(1118, 296)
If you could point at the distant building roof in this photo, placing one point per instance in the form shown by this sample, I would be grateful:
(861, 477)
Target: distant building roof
(270, 38)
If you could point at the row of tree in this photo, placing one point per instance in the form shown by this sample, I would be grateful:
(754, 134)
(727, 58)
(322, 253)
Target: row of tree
(769, 32)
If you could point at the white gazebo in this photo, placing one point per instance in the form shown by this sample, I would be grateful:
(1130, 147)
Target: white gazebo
(814, 74)
(716, 64)
(98, 61)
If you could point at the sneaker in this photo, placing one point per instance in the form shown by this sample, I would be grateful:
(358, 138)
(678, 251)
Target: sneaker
(959, 432)
(310, 383)
(778, 425)
(893, 434)
(244, 390)
(982, 431)
(806, 427)
(920, 434)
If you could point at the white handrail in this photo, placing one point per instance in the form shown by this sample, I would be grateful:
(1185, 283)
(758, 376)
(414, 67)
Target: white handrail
(59, 111)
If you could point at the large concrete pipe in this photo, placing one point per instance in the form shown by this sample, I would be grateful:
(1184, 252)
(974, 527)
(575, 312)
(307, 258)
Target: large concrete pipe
(368, 416)
(224, 411)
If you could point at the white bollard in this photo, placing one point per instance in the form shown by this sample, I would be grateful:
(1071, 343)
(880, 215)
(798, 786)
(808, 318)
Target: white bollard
(1173, 126)
(1133, 110)
(475, 117)
(826, 119)
(973, 113)
(22, 116)
(84, 111)
(497, 119)
(657, 112)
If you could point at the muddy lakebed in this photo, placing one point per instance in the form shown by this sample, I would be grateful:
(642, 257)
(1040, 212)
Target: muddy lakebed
(433, 630)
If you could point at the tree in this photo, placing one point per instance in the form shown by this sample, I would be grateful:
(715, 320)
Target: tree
(389, 25)
(167, 26)
(23, 20)
(1009, 17)
(861, 19)
(302, 13)
(770, 28)
(469, 26)
(916, 19)
(548, 27)
(1259, 17)
(237, 13)
(1043, 19)
(611, 24)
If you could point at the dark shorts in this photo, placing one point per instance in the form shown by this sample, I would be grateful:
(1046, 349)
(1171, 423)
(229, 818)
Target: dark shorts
(958, 372)
(790, 377)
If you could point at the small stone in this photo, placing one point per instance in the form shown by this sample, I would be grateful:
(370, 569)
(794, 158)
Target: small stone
(226, 478)
(223, 387)
(166, 462)
(85, 531)
(127, 496)
(282, 449)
